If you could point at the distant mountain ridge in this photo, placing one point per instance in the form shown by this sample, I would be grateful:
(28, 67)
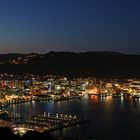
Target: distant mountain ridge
(98, 64)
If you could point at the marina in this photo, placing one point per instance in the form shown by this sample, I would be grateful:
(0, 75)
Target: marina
(40, 123)
(69, 106)
(53, 122)
(101, 124)
(10, 116)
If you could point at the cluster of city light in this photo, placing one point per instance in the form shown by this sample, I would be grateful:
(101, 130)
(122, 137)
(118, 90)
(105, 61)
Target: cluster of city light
(59, 88)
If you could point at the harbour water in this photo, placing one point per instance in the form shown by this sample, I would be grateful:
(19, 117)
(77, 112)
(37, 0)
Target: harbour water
(111, 118)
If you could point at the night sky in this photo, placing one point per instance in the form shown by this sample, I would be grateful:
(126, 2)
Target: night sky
(69, 25)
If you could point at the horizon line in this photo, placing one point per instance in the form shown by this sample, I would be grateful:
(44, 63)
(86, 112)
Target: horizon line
(52, 51)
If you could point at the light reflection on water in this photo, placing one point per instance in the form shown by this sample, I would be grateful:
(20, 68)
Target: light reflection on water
(111, 118)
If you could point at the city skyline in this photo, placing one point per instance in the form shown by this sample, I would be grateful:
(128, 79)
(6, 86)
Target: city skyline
(78, 25)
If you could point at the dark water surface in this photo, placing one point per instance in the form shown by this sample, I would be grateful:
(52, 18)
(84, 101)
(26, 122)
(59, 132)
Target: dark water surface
(111, 119)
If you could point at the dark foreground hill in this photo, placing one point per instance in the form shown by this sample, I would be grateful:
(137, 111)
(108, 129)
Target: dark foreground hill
(98, 64)
(6, 133)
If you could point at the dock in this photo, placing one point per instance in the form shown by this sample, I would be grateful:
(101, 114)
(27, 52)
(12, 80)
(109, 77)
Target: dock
(47, 122)
(12, 117)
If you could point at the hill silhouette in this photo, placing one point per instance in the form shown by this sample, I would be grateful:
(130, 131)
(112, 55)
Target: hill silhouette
(98, 64)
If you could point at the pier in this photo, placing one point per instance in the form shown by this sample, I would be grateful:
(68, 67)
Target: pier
(48, 122)
(8, 116)
(14, 101)
(67, 98)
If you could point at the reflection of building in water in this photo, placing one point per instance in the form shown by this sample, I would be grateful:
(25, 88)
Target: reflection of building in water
(94, 98)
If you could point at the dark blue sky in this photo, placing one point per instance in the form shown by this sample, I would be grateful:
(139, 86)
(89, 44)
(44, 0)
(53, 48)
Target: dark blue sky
(69, 25)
